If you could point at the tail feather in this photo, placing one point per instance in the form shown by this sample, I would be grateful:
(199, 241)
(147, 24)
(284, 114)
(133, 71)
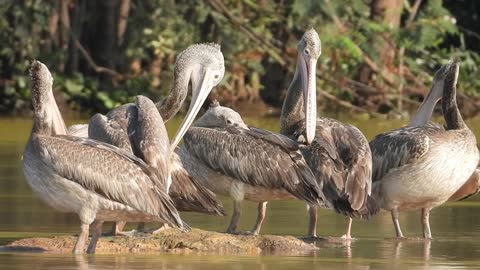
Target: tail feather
(370, 208)
(190, 196)
(309, 190)
(185, 227)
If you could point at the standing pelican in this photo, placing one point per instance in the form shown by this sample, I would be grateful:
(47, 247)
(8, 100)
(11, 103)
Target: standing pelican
(421, 167)
(337, 153)
(422, 118)
(234, 160)
(97, 181)
(200, 66)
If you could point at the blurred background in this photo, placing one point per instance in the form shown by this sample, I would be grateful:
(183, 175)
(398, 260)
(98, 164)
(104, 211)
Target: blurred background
(378, 56)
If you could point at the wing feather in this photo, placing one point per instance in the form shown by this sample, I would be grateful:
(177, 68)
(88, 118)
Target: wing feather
(397, 148)
(256, 157)
(109, 131)
(189, 195)
(80, 130)
(341, 160)
(126, 179)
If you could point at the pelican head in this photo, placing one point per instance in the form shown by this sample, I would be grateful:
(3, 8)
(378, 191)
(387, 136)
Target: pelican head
(451, 72)
(204, 66)
(47, 114)
(425, 110)
(309, 49)
(440, 76)
(220, 117)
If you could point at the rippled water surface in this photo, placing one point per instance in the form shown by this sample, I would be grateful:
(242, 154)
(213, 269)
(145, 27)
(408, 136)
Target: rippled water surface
(455, 226)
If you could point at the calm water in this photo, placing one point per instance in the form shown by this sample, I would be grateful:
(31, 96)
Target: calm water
(455, 226)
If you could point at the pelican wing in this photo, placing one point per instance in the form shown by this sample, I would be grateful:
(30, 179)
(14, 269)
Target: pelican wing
(394, 149)
(80, 130)
(109, 172)
(341, 160)
(189, 195)
(109, 131)
(255, 157)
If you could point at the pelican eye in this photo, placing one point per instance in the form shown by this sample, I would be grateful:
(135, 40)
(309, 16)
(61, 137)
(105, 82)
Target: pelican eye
(229, 122)
(216, 76)
(307, 51)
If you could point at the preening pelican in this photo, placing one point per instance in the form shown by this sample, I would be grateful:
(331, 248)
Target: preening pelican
(149, 140)
(422, 118)
(200, 66)
(234, 160)
(337, 153)
(97, 181)
(421, 167)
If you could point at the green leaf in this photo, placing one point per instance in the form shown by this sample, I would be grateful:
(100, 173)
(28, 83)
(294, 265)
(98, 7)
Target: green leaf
(73, 87)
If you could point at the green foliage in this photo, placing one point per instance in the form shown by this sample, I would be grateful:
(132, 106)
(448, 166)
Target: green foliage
(19, 34)
(157, 30)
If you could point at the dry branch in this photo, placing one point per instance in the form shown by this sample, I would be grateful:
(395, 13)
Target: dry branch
(91, 62)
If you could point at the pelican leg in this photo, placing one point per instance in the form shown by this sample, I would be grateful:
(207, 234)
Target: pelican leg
(348, 234)
(117, 229)
(82, 239)
(163, 227)
(396, 223)
(312, 225)
(427, 234)
(237, 211)
(262, 208)
(97, 233)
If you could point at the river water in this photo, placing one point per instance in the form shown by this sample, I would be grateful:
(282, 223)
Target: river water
(455, 226)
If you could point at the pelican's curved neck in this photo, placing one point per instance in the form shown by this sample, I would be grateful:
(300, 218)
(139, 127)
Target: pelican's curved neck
(451, 113)
(292, 109)
(47, 118)
(424, 112)
(170, 106)
(150, 139)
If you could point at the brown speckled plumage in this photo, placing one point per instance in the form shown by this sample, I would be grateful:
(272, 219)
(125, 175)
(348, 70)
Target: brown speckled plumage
(140, 127)
(150, 141)
(275, 161)
(339, 155)
(97, 181)
(341, 160)
(246, 163)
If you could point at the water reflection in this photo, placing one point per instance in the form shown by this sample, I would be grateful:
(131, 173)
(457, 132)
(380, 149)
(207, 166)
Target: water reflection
(454, 226)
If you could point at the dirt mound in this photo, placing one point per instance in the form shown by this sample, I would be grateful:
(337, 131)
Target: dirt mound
(196, 241)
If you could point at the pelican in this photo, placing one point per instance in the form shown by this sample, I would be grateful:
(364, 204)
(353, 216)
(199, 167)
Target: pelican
(337, 153)
(421, 167)
(422, 118)
(148, 139)
(97, 181)
(200, 66)
(242, 162)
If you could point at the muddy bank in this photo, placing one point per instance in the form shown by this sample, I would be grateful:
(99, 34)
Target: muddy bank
(196, 241)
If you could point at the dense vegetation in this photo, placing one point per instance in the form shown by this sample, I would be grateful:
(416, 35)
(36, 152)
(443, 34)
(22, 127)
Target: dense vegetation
(378, 55)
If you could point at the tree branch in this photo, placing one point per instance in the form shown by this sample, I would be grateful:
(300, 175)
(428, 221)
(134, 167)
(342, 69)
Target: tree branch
(271, 49)
(91, 62)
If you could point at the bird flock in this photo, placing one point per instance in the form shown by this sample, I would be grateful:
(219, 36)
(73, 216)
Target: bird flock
(122, 167)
